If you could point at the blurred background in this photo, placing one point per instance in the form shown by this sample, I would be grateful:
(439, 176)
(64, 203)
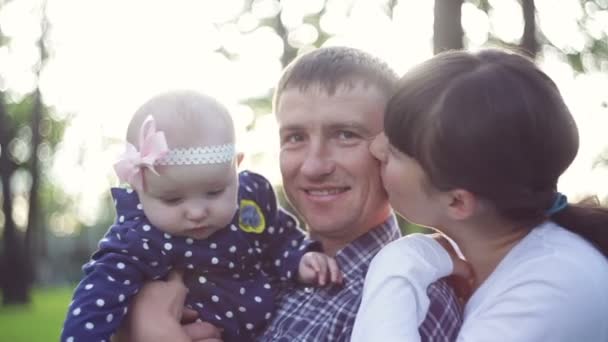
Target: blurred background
(73, 71)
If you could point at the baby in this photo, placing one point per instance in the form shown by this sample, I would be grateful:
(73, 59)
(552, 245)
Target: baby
(188, 208)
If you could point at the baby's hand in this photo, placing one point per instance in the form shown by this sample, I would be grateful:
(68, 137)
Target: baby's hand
(315, 268)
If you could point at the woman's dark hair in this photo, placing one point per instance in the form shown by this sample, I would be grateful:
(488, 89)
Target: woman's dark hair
(494, 124)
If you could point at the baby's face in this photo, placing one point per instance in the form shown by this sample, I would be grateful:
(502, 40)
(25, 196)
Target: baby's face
(191, 200)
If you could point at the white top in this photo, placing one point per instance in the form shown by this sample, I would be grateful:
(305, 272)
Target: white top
(552, 286)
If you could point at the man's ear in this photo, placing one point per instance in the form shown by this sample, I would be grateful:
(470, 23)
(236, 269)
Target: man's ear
(239, 158)
(461, 204)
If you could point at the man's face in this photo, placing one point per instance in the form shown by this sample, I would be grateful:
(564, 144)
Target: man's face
(329, 174)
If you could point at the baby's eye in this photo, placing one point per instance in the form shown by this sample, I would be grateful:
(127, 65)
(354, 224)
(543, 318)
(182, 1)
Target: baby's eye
(172, 200)
(215, 192)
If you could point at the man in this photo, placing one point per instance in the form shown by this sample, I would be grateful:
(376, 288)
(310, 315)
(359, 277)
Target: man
(329, 105)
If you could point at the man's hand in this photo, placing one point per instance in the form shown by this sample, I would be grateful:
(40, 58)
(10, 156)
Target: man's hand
(462, 278)
(318, 268)
(155, 314)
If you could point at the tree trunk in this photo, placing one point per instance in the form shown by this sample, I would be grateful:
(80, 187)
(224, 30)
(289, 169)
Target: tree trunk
(33, 240)
(14, 276)
(529, 43)
(447, 26)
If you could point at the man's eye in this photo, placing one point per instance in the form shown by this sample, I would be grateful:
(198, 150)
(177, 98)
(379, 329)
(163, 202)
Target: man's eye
(346, 135)
(292, 138)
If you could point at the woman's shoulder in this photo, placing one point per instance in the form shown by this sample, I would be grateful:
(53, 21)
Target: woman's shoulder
(556, 256)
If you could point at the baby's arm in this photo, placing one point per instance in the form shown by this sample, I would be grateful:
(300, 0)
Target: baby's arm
(112, 277)
(395, 300)
(319, 268)
(280, 243)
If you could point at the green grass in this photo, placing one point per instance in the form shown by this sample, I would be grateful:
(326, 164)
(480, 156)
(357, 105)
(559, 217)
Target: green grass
(40, 321)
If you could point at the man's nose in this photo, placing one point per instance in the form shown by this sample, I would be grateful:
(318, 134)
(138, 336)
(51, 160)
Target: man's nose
(379, 147)
(318, 160)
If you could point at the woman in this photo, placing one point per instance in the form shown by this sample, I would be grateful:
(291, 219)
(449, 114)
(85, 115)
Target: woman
(474, 145)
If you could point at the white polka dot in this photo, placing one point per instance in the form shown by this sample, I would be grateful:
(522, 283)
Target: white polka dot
(232, 249)
(288, 274)
(118, 236)
(281, 230)
(294, 243)
(202, 279)
(229, 314)
(88, 286)
(270, 230)
(146, 228)
(120, 266)
(190, 266)
(189, 241)
(214, 260)
(76, 312)
(267, 286)
(231, 265)
(218, 317)
(121, 297)
(154, 263)
(248, 188)
(268, 315)
(110, 278)
(250, 251)
(125, 310)
(249, 326)
(127, 282)
(129, 190)
(167, 236)
(236, 276)
(109, 318)
(188, 254)
(242, 291)
(139, 206)
(200, 305)
(135, 258)
(121, 219)
(286, 254)
(257, 299)
(89, 325)
(168, 246)
(242, 309)
(100, 302)
(213, 246)
(233, 228)
(69, 339)
(215, 298)
(277, 262)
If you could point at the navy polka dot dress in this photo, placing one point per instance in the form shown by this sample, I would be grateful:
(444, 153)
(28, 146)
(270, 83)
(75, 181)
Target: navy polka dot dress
(230, 274)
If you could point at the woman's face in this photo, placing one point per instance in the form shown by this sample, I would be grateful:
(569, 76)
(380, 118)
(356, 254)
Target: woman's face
(406, 184)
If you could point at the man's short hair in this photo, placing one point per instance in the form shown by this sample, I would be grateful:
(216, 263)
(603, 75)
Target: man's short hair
(333, 67)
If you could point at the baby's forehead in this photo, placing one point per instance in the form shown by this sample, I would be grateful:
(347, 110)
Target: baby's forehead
(188, 119)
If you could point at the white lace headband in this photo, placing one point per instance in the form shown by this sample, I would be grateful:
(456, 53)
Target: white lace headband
(214, 154)
(153, 150)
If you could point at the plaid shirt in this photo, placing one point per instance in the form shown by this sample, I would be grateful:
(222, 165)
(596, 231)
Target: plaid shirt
(328, 313)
